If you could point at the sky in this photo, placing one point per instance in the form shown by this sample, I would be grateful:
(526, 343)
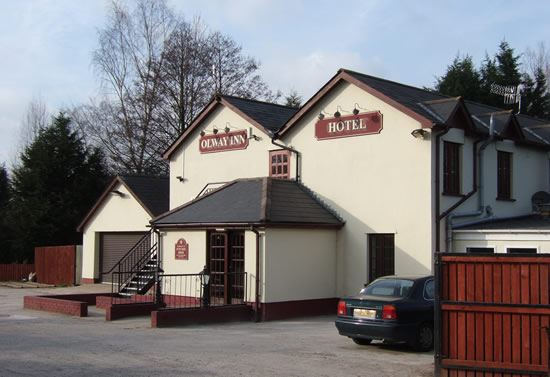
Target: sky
(47, 45)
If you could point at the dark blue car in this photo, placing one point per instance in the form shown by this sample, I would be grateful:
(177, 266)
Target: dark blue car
(393, 309)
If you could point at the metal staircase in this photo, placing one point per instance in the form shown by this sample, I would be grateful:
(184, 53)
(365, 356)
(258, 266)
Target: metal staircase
(136, 272)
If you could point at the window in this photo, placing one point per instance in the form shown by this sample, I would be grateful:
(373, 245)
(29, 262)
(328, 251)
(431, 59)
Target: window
(381, 252)
(521, 250)
(480, 250)
(451, 168)
(504, 179)
(279, 162)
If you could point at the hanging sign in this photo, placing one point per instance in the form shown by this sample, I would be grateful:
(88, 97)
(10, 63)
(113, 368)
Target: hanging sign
(224, 141)
(353, 125)
(182, 250)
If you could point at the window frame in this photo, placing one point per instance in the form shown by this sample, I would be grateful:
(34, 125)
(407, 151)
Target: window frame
(282, 167)
(451, 168)
(380, 245)
(504, 175)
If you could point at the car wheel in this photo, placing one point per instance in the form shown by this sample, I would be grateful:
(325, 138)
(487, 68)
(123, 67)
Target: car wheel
(424, 338)
(362, 341)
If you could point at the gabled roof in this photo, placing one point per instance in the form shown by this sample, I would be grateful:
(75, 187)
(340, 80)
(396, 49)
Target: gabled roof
(267, 117)
(403, 97)
(256, 201)
(151, 192)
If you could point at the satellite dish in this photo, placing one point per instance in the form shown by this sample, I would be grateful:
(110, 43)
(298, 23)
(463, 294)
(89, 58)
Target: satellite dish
(511, 93)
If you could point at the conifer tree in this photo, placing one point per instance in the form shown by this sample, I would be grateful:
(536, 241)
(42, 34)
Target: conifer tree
(55, 185)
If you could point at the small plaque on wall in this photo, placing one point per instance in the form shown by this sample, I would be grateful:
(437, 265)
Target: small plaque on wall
(182, 250)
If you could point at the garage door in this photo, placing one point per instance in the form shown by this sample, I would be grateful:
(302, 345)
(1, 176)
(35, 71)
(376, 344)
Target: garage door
(113, 247)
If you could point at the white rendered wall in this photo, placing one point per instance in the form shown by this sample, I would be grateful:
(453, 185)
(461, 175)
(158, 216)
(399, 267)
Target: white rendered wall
(299, 265)
(378, 183)
(116, 214)
(198, 169)
(500, 241)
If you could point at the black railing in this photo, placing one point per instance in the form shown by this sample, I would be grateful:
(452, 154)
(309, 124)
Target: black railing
(135, 272)
(202, 290)
(138, 290)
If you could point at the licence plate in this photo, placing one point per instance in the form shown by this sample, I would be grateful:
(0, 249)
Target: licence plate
(364, 313)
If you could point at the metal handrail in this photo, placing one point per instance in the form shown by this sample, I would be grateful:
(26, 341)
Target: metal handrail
(148, 235)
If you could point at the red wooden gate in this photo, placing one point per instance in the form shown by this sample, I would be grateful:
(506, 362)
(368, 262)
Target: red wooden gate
(55, 264)
(493, 311)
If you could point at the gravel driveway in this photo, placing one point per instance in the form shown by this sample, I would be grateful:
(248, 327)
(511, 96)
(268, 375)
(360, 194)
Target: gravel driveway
(46, 344)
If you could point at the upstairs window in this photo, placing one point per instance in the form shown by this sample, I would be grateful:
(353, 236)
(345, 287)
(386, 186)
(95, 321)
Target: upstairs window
(279, 165)
(504, 176)
(451, 168)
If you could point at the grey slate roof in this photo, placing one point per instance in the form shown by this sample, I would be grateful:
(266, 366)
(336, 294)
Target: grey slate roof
(408, 96)
(415, 99)
(533, 222)
(152, 191)
(270, 116)
(259, 201)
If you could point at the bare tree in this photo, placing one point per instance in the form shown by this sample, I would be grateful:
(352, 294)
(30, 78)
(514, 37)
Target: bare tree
(129, 59)
(36, 118)
(538, 58)
(233, 73)
(185, 77)
(158, 72)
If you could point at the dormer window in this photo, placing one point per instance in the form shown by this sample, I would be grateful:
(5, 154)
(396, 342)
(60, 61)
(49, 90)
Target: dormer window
(279, 164)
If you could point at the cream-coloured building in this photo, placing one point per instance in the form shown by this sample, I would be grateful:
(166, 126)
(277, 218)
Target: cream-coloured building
(368, 178)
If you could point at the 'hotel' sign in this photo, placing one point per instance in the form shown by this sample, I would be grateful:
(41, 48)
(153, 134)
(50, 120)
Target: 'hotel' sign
(353, 125)
(223, 141)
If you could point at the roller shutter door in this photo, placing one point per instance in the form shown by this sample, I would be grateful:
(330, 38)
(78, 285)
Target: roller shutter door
(113, 247)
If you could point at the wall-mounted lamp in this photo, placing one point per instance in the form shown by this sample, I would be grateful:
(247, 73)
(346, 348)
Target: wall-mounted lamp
(118, 193)
(251, 135)
(203, 133)
(226, 129)
(419, 133)
(356, 108)
(180, 178)
(215, 130)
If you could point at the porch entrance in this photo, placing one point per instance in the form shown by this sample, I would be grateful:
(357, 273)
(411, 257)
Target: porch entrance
(226, 265)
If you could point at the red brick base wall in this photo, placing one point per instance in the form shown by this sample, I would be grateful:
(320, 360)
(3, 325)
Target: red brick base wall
(55, 305)
(113, 312)
(89, 281)
(272, 311)
(76, 305)
(165, 318)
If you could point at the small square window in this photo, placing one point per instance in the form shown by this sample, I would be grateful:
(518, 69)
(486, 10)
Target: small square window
(280, 164)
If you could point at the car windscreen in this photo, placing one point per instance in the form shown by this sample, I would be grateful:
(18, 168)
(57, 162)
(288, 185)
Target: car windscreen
(389, 287)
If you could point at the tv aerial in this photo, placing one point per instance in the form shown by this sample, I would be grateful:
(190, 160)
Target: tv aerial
(511, 93)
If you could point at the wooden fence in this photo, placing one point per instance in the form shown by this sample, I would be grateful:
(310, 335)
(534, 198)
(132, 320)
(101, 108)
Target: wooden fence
(491, 315)
(15, 272)
(56, 264)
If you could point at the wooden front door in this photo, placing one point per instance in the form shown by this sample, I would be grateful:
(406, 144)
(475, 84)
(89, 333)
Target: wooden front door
(226, 266)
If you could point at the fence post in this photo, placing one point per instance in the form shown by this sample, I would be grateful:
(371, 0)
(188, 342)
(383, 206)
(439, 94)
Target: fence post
(437, 315)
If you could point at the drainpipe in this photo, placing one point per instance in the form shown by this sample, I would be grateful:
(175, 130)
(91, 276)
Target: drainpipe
(257, 304)
(298, 155)
(481, 196)
(437, 185)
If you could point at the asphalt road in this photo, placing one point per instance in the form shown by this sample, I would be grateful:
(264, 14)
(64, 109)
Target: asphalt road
(36, 343)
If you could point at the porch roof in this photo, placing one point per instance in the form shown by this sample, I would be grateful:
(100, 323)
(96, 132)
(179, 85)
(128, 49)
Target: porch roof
(533, 222)
(257, 201)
